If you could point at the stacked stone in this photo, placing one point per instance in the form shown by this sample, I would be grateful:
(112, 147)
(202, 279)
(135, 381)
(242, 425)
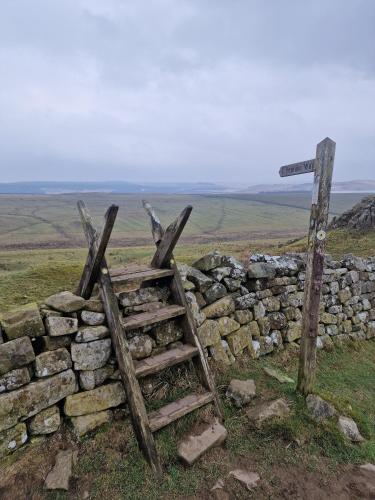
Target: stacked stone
(47, 355)
(259, 309)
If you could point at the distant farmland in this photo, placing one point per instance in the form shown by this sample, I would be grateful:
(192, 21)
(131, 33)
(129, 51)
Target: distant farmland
(52, 221)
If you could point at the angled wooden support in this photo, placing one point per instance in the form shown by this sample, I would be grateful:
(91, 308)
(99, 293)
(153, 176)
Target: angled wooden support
(94, 259)
(166, 241)
(322, 166)
(169, 238)
(133, 392)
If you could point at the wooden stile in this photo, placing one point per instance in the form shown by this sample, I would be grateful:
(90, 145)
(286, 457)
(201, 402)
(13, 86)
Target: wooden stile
(133, 392)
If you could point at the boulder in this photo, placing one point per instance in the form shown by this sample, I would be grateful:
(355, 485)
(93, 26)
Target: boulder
(65, 302)
(51, 343)
(91, 355)
(12, 439)
(243, 316)
(88, 334)
(197, 314)
(51, 362)
(293, 332)
(87, 423)
(16, 353)
(227, 325)
(15, 379)
(259, 270)
(140, 346)
(209, 333)
(45, 422)
(167, 332)
(350, 430)
(278, 321)
(143, 295)
(208, 262)
(222, 307)
(193, 446)
(94, 305)
(221, 353)
(245, 301)
(215, 292)
(24, 321)
(35, 397)
(319, 408)
(263, 412)
(58, 478)
(240, 340)
(99, 399)
(241, 392)
(92, 318)
(57, 326)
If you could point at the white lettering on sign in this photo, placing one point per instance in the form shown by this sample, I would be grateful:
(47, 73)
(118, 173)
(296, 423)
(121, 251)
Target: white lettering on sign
(303, 167)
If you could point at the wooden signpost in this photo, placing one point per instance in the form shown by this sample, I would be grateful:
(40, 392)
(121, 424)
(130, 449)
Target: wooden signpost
(322, 166)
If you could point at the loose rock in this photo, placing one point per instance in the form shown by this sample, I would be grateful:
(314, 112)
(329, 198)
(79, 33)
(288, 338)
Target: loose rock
(319, 408)
(350, 430)
(247, 478)
(101, 398)
(265, 411)
(58, 478)
(241, 392)
(87, 423)
(280, 377)
(195, 445)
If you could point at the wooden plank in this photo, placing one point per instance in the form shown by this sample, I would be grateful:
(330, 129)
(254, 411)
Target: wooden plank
(141, 276)
(190, 332)
(129, 268)
(149, 318)
(169, 239)
(92, 267)
(133, 392)
(156, 227)
(172, 357)
(173, 411)
(303, 167)
(325, 155)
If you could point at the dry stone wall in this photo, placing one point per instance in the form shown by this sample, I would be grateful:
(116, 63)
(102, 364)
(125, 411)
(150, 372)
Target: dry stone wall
(57, 363)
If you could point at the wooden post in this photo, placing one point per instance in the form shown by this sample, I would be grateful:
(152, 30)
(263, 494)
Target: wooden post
(322, 166)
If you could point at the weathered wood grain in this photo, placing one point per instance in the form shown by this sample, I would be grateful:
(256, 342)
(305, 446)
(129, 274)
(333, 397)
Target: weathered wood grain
(134, 395)
(303, 167)
(160, 362)
(325, 155)
(94, 259)
(149, 318)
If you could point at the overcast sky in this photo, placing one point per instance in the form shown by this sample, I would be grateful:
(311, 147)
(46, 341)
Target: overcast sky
(184, 90)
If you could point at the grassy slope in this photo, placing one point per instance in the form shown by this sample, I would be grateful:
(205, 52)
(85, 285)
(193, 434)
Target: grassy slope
(111, 466)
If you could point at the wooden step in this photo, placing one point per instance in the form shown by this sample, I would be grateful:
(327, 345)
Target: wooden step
(149, 318)
(164, 360)
(135, 273)
(177, 409)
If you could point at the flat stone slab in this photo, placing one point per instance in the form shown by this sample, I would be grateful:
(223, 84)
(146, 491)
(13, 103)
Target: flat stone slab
(65, 302)
(88, 334)
(23, 321)
(247, 478)
(265, 411)
(32, 398)
(87, 423)
(57, 325)
(279, 376)
(50, 362)
(195, 445)
(99, 399)
(58, 478)
(91, 355)
(15, 379)
(15, 354)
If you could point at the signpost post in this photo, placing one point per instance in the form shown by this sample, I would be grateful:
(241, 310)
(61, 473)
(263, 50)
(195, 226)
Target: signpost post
(322, 166)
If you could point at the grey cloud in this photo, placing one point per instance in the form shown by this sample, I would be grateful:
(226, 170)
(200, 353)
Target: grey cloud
(184, 90)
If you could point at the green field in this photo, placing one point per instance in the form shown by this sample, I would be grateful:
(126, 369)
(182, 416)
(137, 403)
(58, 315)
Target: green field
(42, 248)
(52, 221)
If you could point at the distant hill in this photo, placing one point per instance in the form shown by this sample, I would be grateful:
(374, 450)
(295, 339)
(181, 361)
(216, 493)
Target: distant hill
(355, 186)
(40, 187)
